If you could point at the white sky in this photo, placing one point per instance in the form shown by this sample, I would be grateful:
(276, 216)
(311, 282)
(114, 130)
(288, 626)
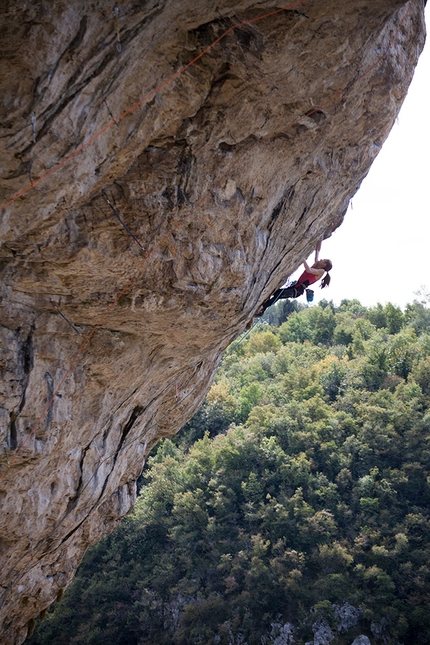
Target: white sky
(387, 232)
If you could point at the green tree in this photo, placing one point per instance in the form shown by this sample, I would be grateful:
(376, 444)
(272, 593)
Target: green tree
(307, 488)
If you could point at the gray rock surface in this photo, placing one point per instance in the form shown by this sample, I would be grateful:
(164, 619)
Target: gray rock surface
(227, 175)
(361, 640)
(323, 634)
(346, 616)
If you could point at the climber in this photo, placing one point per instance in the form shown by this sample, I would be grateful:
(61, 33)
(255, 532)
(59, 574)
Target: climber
(309, 276)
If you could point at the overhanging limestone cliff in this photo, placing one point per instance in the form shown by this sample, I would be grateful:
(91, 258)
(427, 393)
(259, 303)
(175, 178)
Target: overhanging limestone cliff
(227, 175)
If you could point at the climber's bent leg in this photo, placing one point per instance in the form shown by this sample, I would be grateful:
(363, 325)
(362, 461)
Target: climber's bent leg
(286, 292)
(279, 294)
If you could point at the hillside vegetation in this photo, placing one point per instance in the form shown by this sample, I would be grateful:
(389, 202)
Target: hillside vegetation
(293, 507)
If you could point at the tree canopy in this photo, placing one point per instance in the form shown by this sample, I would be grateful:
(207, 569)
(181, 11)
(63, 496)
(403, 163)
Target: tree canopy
(297, 497)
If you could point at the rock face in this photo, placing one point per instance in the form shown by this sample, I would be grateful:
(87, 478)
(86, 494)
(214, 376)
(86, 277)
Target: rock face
(227, 171)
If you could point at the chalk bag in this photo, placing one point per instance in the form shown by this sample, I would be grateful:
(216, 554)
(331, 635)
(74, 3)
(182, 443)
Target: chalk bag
(309, 295)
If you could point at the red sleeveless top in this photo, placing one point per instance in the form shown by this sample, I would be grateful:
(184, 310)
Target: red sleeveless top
(307, 278)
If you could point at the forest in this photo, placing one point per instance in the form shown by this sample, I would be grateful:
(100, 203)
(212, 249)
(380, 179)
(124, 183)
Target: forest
(293, 508)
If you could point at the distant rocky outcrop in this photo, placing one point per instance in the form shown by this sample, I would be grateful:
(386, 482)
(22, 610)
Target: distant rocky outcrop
(227, 174)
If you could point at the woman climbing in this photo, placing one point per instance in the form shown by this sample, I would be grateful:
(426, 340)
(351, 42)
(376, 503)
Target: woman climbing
(309, 276)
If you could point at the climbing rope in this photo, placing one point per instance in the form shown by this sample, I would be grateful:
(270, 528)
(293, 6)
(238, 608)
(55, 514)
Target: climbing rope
(147, 98)
(121, 221)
